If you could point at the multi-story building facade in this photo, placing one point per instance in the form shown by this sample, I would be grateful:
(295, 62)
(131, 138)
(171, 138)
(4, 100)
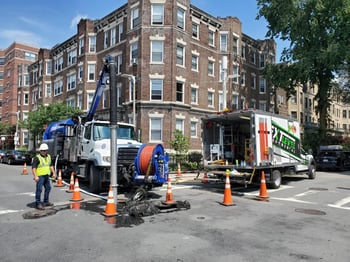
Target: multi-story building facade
(175, 51)
(14, 84)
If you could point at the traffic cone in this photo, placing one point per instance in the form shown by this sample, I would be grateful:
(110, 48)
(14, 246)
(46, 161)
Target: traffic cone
(24, 171)
(110, 209)
(59, 179)
(76, 194)
(169, 194)
(71, 184)
(75, 205)
(263, 195)
(205, 179)
(227, 193)
(178, 170)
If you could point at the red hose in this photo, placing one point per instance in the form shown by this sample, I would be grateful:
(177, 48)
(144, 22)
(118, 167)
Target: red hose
(145, 158)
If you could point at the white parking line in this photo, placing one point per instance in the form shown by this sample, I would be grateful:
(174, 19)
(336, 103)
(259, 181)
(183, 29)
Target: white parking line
(341, 203)
(2, 212)
(26, 194)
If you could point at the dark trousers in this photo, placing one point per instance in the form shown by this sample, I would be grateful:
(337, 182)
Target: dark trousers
(43, 181)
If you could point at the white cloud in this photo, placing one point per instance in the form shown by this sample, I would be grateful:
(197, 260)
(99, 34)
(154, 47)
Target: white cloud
(21, 36)
(76, 20)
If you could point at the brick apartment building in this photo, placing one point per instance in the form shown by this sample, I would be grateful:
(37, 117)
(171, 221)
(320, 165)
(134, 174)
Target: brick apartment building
(14, 90)
(174, 50)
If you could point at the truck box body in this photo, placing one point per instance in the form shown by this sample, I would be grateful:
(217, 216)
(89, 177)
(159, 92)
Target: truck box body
(253, 139)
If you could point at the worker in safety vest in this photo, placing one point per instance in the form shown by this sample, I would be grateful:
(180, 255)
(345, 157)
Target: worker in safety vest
(42, 168)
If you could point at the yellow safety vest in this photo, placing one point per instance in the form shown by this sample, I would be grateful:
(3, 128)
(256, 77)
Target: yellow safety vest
(44, 165)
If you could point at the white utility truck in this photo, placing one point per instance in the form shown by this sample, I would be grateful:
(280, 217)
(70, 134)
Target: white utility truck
(251, 141)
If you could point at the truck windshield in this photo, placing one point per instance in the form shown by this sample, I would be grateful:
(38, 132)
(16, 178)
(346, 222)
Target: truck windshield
(102, 131)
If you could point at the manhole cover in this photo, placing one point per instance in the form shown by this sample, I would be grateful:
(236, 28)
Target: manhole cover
(310, 211)
(318, 188)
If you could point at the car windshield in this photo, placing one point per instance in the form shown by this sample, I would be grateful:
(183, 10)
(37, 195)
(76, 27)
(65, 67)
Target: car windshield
(104, 132)
(329, 154)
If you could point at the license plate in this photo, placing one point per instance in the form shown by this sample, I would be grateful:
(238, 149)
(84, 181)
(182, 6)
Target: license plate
(325, 160)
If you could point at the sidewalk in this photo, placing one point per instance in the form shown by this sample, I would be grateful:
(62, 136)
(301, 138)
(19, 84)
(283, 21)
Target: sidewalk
(186, 177)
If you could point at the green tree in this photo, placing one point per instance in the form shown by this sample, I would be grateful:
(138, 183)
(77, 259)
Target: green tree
(318, 32)
(37, 120)
(180, 144)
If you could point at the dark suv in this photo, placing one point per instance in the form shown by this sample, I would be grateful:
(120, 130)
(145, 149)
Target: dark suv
(333, 160)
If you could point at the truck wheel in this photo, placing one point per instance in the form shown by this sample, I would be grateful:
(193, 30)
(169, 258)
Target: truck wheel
(94, 179)
(312, 172)
(276, 179)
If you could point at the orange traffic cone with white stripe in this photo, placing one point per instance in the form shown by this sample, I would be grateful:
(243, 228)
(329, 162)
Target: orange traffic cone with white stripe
(110, 209)
(263, 195)
(59, 179)
(178, 170)
(24, 171)
(169, 199)
(205, 179)
(76, 194)
(71, 184)
(227, 192)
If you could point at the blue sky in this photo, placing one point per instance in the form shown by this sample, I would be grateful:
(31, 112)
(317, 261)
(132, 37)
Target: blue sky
(46, 23)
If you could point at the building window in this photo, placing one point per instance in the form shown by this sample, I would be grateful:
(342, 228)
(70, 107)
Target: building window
(262, 60)
(180, 18)
(194, 129)
(91, 72)
(157, 51)
(262, 105)
(211, 37)
(195, 62)
(223, 42)
(156, 89)
(235, 46)
(344, 114)
(92, 44)
(180, 55)
(70, 102)
(235, 74)
(195, 30)
(262, 85)
(25, 98)
(211, 99)
(243, 79)
(48, 90)
(71, 82)
(29, 56)
(157, 14)
(235, 101)
(119, 64)
(120, 32)
(179, 92)
(156, 129)
(59, 64)
(211, 68)
(81, 46)
(194, 95)
(80, 101)
(243, 52)
(134, 52)
(253, 81)
(106, 39)
(72, 57)
(48, 66)
(58, 87)
(179, 125)
(135, 17)
(113, 36)
(80, 73)
(253, 57)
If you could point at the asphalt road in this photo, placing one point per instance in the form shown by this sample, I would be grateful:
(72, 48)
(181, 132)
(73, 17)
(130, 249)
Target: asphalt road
(304, 220)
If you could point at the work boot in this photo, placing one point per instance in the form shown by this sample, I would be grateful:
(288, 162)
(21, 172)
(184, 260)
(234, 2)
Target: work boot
(40, 207)
(48, 204)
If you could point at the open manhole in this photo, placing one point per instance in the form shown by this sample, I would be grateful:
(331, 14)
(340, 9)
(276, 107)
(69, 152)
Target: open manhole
(310, 211)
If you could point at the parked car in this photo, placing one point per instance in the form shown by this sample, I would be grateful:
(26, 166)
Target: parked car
(333, 160)
(2, 153)
(17, 157)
